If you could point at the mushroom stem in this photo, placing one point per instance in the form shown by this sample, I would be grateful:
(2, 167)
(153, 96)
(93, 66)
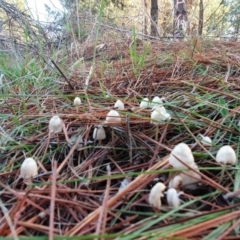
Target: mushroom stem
(28, 183)
(222, 172)
(231, 194)
(156, 133)
(114, 151)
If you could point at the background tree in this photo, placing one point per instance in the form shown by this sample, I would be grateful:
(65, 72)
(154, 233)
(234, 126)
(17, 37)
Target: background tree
(180, 19)
(154, 18)
(200, 22)
(145, 21)
(233, 17)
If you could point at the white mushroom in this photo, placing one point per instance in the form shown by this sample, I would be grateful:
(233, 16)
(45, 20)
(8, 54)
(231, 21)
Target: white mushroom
(159, 114)
(144, 103)
(176, 182)
(99, 133)
(173, 198)
(113, 117)
(226, 155)
(119, 105)
(155, 195)
(28, 168)
(190, 178)
(77, 102)
(156, 102)
(205, 140)
(184, 153)
(55, 124)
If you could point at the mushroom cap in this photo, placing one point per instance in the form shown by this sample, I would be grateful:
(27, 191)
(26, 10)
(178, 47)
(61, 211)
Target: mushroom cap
(156, 194)
(119, 105)
(55, 124)
(176, 182)
(144, 103)
(77, 101)
(156, 101)
(99, 133)
(167, 116)
(28, 168)
(182, 152)
(173, 198)
(113, 117)
(206, 141)
(159, 114)
(226, 155)
(190, 178)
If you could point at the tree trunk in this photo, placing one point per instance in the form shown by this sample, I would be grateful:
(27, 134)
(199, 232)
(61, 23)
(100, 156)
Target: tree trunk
(180, 19)
(154, 18)
(200, 22)
(145, 18)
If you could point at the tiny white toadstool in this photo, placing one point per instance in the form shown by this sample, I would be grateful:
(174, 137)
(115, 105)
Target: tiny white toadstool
(144, 103)
(77, 102)
(55, 124)
(156, 102)
(184, 153)
(226, 155)
(173, 198)
(190, 178)
(113, 117)
(155, 195)
(119, 105)
(205, 140)
(159, 114)
(28, 168)
(176, 182)
(99, 133)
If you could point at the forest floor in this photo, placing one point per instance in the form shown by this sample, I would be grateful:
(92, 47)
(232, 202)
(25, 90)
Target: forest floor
(77, 191)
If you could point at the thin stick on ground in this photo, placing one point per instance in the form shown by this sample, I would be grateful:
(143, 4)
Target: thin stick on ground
(60, 71)
(52, 205)
(9, 221)
(101, 225)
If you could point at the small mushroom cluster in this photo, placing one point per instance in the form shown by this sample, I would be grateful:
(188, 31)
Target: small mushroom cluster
(181, 159)
(159, 113)
(113, 116)
(156, 194)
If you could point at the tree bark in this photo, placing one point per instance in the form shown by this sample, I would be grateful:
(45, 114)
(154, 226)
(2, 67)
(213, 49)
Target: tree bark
(180, 19)
(145, 18)
(154, 18)
(200, 22)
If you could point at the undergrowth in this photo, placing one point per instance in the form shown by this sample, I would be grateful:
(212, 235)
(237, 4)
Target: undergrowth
(202, 97)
